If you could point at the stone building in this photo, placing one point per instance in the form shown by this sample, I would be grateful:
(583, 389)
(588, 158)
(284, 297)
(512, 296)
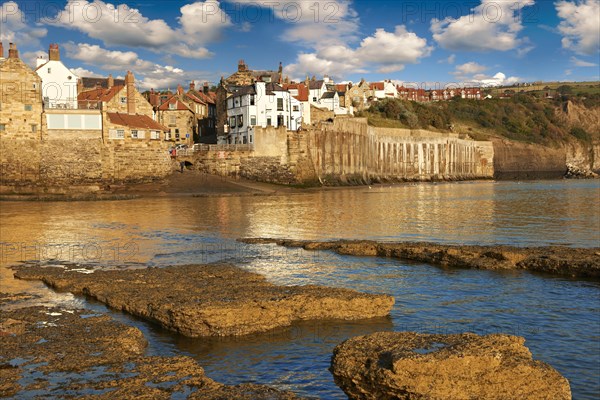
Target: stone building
(205, 101)
(59, 83)
(178, 116)
(20, 97)
(116, 98)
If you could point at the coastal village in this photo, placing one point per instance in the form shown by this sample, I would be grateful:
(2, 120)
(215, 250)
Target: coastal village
(51, 97)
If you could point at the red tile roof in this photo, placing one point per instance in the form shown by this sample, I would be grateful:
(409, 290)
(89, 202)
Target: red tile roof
(341, 87)
(302, 90)
(99, 94)
(136, 121)
(376, 85)
(179, 105)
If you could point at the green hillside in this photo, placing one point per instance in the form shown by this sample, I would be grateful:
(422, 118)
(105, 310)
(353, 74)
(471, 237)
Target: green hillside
(528, 116)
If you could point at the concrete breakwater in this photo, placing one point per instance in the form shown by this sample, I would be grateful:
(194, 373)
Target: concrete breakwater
(557, 260)
(210, 300)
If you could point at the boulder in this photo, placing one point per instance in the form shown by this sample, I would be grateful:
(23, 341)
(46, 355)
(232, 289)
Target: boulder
(407, 365)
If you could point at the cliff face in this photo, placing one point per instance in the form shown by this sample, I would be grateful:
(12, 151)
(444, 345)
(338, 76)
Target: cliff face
(515, 160)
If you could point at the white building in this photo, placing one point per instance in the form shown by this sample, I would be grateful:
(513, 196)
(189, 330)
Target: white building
(261, 104)
(382, 90)
(59, 83)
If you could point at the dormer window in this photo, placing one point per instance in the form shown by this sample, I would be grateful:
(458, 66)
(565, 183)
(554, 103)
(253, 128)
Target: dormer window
(172, 106)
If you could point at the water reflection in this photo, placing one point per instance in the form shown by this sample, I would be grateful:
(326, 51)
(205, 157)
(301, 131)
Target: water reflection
(557, 316)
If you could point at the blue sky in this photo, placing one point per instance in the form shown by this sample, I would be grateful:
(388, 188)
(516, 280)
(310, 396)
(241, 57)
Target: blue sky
(429, 43)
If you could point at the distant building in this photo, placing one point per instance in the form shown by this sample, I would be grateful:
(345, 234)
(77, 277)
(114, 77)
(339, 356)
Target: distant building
(176, 114)
(382, 90)
(59, 83)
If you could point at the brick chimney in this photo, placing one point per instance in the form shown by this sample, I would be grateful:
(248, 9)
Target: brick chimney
(110, 81)
(242, 67)
(12, 51)
(280, 73)
(179, 90)
(1, 50)
(129, 82)
(79, 85)
(205, 88)
(53, 52)
(192, 85)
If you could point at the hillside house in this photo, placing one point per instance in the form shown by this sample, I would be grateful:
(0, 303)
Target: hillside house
(59, 83)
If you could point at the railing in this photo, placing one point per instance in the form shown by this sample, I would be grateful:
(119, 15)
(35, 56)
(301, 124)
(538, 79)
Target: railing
(89, 105)
(223, 147)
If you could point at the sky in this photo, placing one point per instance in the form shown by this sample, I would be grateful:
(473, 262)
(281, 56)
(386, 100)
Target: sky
(421, 43)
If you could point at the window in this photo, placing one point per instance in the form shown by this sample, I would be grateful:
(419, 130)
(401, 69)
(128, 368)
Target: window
(168, 136)
(134, 134)
(251, 99)
(232, 122)
(240, 121)
(314, 99)
(35, 85)
(154, 135)
(244, 140)
(123, 100)
(2, 127)
(173, 120)
(250, 138)
(33, 128)
(172, 106)
(28, 107)
(296, 108)
(279, 104)
(120, 134)
(269, 121)
(252, 120)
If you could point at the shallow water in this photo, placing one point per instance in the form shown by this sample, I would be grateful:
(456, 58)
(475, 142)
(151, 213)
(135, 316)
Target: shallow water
(560, 318)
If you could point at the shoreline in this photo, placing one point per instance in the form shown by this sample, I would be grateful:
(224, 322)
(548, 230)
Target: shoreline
(202, 185)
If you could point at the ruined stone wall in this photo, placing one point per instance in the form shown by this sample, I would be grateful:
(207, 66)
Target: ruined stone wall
(320, 114)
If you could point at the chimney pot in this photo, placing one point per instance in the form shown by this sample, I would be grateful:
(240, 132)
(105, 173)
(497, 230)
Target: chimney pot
(192, 85)
(205, 88)
(110, 81)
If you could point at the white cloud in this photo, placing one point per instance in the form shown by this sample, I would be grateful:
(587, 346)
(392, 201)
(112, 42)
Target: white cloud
(493, 25)
(387, 52)
(110, 60)
(450, 60)
(582, 63)
(13, 27)
(121, 25)
(471, 74)
(468, 69)
(82, 72)
(148, 74)
(579, 25)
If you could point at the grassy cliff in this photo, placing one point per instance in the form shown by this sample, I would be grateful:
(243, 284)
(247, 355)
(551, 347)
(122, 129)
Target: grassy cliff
(572, 112)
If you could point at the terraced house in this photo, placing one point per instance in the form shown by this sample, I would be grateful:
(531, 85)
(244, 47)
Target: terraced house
(20, 97)
(177, 115)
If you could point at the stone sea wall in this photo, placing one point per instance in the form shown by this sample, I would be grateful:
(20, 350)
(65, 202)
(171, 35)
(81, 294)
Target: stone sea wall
(348, 151)
(62, 164)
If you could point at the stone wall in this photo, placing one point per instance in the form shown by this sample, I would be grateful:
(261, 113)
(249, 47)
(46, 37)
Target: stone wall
(349, 150)
(67, 164)
(514, 160)
(320, 114)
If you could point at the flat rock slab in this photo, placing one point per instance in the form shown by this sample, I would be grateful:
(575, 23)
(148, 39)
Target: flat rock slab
(57, 353)
(407, 365)
(557, 260)
(210, 300)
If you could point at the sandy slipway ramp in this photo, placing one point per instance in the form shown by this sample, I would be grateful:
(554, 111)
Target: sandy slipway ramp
(557, 260)
(407, 365)
(211, 300)
(58, 353)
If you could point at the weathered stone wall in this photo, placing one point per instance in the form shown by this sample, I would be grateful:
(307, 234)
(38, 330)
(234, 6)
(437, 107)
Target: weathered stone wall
(66, 165)
(514, 160)
(349, 150)
(320, 114)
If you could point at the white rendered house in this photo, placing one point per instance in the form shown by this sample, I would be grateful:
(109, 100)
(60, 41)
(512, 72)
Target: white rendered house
(261, 104)
(59, 83)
